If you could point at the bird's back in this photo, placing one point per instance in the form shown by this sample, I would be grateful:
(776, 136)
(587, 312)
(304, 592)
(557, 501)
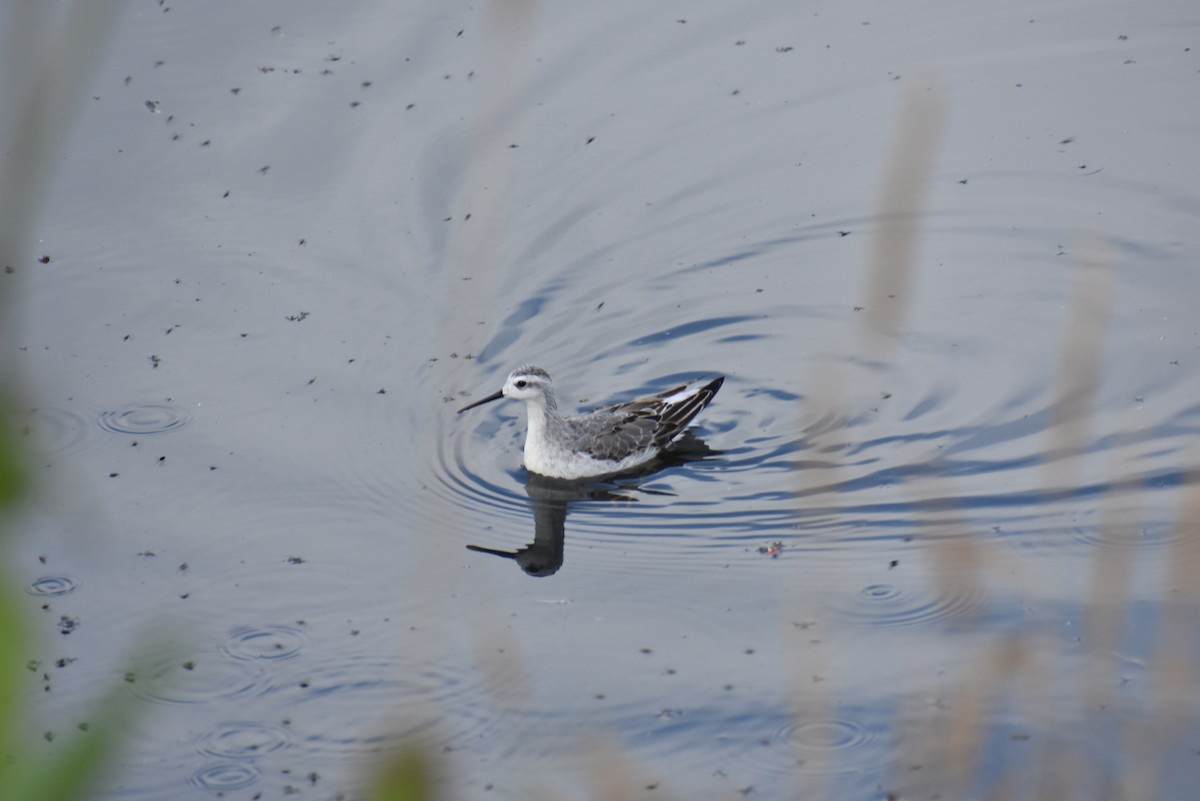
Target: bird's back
(641, 426)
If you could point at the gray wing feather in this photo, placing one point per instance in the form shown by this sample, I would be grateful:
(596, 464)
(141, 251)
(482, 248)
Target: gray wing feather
(631, 427)
(617, 435)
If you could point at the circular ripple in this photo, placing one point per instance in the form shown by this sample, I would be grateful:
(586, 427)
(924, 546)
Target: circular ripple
(265, 642)
(144, 418)
(224, 776)
(825, 735)
(243, 740)
(1151, 536)
(890, 605)
(357, 706)
(880, 592)
(495, 493)
(191, 679)
(764, 740)
(51, 586)
(831, 744)
(59, 430)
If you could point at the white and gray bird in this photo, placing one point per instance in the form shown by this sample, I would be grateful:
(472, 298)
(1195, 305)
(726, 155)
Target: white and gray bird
(603, 442)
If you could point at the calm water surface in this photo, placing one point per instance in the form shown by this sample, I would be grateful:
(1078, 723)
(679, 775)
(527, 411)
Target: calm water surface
(288, 241)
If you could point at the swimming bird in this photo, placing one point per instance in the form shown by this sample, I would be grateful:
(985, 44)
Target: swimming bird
(603, 442)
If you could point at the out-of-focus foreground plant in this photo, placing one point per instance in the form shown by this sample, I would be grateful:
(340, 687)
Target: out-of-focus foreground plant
(25, 774)
(48, 53)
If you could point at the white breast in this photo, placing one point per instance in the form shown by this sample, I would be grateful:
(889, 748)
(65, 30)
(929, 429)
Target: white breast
(554, 460)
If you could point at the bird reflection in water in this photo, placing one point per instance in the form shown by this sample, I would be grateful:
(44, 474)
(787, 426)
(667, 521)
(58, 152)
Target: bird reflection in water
(550, 500)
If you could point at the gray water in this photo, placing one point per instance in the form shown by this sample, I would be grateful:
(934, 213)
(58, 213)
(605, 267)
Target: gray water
(287, 241)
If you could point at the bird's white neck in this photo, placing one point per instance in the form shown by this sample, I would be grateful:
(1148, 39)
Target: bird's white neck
(536, 410)
(537, 450)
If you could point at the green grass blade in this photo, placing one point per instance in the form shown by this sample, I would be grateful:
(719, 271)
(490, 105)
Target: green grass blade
(406, 776)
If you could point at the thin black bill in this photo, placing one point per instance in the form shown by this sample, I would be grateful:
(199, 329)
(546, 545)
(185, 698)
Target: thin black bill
(488, 399)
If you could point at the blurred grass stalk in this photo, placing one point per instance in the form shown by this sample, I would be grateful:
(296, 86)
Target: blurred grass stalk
(956, 755)
(47, 54)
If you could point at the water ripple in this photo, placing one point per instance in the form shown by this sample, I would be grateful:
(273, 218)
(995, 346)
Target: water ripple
(243, 740)
(59, 430)
(222, 777)
(264, 642)
(890, 605)
(183, 678)
(829, 744)
(52, 586)
(360, 705)
(765, 744)
(144, 418)
(1147, 536)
